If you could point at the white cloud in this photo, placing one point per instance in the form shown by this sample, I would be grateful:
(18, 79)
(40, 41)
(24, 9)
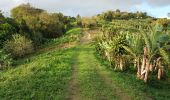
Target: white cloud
(89, 7)
(158, 3)
(6, 5)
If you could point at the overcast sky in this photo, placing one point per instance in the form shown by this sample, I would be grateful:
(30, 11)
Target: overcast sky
(156, 8)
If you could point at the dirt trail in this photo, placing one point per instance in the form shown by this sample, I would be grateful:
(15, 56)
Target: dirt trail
(74, 92)
(73, 89)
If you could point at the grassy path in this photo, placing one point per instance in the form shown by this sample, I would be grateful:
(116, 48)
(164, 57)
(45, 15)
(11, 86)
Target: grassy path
(72, 73)
(88, 80)
(73, 89)
(93, 81)
(87, 84)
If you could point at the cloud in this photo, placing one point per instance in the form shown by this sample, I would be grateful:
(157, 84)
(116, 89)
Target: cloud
(90, 7)
(158, 3)
(84, 7)
(6, 5)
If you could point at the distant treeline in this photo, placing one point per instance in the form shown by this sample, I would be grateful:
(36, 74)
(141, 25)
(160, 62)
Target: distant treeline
(110, 15)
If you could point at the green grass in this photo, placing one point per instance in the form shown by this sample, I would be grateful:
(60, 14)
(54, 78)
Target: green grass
(74, 31)
(137, 89)
(46, 76)
(91, 85)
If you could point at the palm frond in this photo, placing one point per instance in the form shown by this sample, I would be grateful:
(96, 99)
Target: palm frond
(129, 50)
(146, 39)
(164, 55)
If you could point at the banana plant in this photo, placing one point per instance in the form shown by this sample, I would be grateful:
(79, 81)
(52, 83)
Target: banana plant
(118, 52)
(134, 49)
(155, 41)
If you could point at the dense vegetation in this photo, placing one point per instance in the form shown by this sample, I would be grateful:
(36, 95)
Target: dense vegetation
(29, 28)
(137, 42)
(41, 53)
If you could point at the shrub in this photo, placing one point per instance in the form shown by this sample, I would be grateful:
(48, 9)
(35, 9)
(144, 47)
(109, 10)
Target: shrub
(5, 60)
(6, 31)
(89, 22)
(18, 46)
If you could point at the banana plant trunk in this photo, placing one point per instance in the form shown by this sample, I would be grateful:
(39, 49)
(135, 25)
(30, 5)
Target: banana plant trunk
(121, 64)
(138, 68)
(146, 71)
(116, 64)
(135, 63)
(142, 73)
(160, 70)
(145, 65)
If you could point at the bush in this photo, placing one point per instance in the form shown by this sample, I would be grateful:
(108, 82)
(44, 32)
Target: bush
(18, 46)
(6, 31)
(5, 60)
(89, 22)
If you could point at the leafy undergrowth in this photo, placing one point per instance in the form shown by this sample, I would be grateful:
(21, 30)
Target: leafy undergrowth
(44, 77)
(154, 89)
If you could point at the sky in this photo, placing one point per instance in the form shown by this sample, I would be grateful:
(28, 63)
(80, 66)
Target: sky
(155, 8)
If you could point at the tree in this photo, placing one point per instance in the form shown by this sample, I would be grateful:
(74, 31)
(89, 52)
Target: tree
(6, 31)
(108, 16)
(51, 27)
(117, 11)
(22, 11)
(79, 20)
(88, 22)
(27, 18)
(125, 15)
(2, 18)
(38, 24)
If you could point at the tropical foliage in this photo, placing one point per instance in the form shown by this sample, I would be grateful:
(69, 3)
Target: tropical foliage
(145, 46)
